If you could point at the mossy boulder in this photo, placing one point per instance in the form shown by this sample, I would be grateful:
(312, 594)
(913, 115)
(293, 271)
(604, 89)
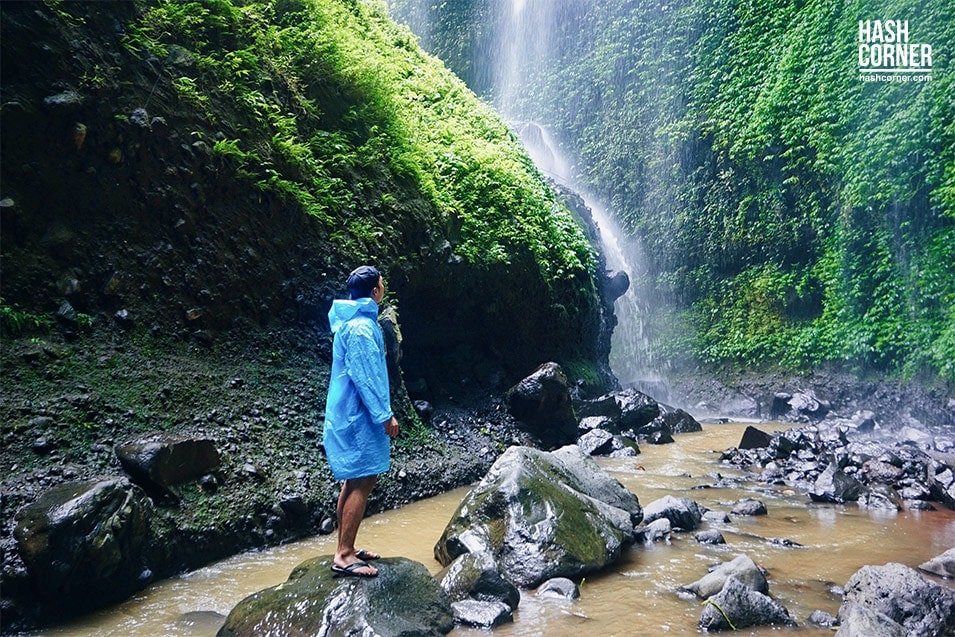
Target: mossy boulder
(81, 543)
(543, 515)
(403, 600)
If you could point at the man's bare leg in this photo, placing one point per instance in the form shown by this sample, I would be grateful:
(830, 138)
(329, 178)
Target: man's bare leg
(351, 511)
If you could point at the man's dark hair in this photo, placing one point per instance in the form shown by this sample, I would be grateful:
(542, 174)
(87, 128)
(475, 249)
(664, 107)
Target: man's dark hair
(362, 281)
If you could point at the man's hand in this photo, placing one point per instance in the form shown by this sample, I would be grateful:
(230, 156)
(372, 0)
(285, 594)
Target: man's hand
(391, 427)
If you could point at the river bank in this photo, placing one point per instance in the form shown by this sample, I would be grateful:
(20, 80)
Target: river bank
(261, 398)
(67, 403)
(636, 595)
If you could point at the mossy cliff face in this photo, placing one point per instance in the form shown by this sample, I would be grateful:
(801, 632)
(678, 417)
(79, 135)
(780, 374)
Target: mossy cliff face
(184, 188)
(201, 167)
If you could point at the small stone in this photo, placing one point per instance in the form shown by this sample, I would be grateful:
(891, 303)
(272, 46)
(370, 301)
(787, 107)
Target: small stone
(42, 446)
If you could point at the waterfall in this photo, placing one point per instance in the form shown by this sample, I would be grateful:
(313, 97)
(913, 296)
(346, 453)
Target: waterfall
(508, 60)
(630, 353)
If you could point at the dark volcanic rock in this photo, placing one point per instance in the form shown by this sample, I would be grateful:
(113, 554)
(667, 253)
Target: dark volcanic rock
(743, 569)
(899, 593)
(636, 409)
(82, 543)
(476, 576)
(161, 461)
(835, 485)
(559, 587)
(542, 403)
(683, 513)
(942, 565)
(403, 600)
(754, 438)
(737, 606)
(471, 612)
(543, 515)
(749, 506)
(679, 421)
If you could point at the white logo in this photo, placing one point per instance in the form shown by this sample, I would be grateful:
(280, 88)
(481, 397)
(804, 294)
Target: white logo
(887, 55)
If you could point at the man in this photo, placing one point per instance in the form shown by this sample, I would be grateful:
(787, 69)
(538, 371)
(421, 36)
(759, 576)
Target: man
(358, 416)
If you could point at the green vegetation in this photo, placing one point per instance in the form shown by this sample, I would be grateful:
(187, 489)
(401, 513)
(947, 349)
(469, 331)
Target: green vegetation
(791, 213)
(14, 321)
(334, 108)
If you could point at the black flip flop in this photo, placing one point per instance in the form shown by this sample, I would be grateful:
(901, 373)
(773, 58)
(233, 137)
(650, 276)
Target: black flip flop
(350, 569)
(362, 554)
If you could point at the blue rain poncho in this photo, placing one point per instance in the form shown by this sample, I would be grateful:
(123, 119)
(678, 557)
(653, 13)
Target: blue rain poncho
(359, 401)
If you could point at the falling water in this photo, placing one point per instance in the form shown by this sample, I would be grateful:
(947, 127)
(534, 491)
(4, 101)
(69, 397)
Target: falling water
(522, 43)
(630, 352)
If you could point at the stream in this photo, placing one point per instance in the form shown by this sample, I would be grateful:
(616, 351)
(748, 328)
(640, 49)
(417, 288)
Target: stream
(634, 597)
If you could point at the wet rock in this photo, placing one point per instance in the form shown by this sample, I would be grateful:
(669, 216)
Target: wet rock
(624, 447)
(616, 284)
(596, 442)
(835, 485)
(716, 517)
(942, 565)
(81, 543)
(605, 406)
(161, 461)
(403, 600)
(636, 409)
(64, 102)
(798, 406)
(683, 513)
(942, 483)
(711, 536)
(424, 409)
(543, 515)
(541, 402)
(476, 576)
(861, 621)
(67, 315)
(658, 530)
(880, 497)
(43, 446)
(559, 587)
(656, 432)
(590, 423)
(822, 618)
(742, 568)
(679, 421)
(749, 506)
(471, 612)
(754, 438)
(899, 593)
(737, 606)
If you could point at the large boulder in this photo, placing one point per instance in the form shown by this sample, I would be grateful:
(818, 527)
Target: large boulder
(82, 543)
(636, 409)
(542, 403)
(160, 461)
(403, 600)
(679, 421)
(543, 515)
(898, 592)
(737, 606)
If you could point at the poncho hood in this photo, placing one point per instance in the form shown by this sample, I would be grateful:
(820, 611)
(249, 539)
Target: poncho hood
(344, 310)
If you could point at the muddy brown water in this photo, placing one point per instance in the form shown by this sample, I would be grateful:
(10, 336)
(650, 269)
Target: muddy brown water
(634, 597)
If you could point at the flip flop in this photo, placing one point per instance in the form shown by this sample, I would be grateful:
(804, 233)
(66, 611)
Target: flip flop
(351, 569)
(362, 554)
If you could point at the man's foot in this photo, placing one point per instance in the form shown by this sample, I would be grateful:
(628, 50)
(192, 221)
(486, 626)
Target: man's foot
(362, 554)
(357, 569)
